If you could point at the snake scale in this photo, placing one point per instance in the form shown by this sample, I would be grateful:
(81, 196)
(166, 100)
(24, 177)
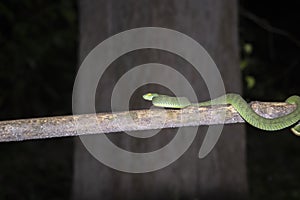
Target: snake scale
(240, 105)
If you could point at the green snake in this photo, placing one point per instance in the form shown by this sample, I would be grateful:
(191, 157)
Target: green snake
(240, 105)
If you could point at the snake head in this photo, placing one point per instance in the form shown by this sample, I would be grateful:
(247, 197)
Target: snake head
(149, 96)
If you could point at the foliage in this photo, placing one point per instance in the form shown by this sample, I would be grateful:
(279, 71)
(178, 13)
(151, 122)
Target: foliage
(270, 72)
(273, 61)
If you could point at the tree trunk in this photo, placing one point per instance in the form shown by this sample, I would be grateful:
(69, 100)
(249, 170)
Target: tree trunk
(221, 174)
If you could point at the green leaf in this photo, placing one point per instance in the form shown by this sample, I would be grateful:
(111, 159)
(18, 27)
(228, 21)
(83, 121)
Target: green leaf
(248, 48)
(250, 81)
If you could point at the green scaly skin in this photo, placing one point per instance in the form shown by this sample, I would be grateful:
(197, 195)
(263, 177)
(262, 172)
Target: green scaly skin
(240, 105)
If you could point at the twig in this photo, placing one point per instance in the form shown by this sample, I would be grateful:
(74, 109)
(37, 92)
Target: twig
(75, 125)
(268, 27)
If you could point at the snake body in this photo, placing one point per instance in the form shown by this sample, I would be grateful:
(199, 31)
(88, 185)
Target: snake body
(241, 107)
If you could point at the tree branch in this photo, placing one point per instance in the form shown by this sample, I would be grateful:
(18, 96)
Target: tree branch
(268, 27)
(75, 125)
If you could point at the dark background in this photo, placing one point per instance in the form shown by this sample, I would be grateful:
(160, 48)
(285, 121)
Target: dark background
(38, 61)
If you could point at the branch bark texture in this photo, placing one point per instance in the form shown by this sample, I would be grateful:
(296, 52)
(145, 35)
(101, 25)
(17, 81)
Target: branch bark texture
(76, 125)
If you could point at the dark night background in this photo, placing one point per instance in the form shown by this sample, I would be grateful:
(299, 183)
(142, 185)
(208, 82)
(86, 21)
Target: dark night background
(38, 61)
